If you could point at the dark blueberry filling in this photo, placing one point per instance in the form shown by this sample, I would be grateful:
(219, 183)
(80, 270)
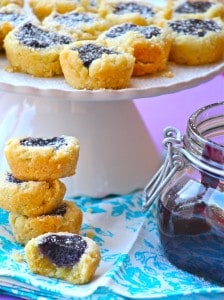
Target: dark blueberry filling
(63, 250)
(55, 142)
(147, 31)
(60, 211)
(12, 179)
(194, 221)
(32, 36)
(72, 19)
(120, 30)
(195, 27)
(210, 153)
(89, 52)
(12, 17)
(133, 7)
(193, 7)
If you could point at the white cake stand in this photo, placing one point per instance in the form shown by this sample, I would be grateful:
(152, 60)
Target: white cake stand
(117, 154)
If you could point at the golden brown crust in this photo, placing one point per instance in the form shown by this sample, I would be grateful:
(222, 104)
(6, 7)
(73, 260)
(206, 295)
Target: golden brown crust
(82, 272)
(107, 10)
(43, 8)
(151, 54)
(42, 163)
(25, 228)
(37, 61)
(188, 49)
(118, 65)
(65, 6)
(30, 198)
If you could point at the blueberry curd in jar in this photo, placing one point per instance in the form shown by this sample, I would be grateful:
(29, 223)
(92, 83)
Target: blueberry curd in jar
(191, 228)
(191, 204)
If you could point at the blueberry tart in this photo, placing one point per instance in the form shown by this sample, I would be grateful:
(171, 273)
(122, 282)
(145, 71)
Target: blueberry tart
(92, 65)
(42, 159)
(30, 198)
(196, 41)
(66, 218)
(35, 50)
(150, 45)
(70, 257)
(198, 9)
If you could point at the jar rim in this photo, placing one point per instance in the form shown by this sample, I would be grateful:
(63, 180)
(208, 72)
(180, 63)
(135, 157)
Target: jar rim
(193, 120)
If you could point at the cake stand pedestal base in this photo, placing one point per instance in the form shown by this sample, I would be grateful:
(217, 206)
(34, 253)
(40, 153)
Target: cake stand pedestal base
(117, 154)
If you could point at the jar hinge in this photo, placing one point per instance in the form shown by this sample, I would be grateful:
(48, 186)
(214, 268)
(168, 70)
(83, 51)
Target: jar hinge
(173, 162)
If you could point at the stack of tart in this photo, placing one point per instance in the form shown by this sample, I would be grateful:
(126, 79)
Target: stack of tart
(33, 192)
(40, 217)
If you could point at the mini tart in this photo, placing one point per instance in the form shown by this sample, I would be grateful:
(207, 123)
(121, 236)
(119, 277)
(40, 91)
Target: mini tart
(42, 159)
(35, 50)
(196, 41)
(66, 218)
(150, 45)
(70, 257)
(80, 25)
(10, 16)
(91, 65)
(198, 9)
(7, 2)
(124, 11)
(30, 198)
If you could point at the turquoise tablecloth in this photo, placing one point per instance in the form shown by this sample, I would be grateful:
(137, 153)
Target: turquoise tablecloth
(133, 264)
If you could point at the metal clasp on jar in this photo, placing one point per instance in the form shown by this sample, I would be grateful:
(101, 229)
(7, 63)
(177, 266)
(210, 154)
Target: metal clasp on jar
(177, 156)
(173, 162)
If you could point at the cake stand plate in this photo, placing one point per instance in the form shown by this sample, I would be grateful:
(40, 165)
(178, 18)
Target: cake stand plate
(117, 153)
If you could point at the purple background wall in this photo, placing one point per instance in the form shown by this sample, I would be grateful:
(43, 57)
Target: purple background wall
(175, 109)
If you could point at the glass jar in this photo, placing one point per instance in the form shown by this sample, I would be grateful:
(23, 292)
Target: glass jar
(189, 188)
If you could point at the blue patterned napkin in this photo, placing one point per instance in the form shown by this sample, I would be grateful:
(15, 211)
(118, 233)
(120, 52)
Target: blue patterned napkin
(133, 264)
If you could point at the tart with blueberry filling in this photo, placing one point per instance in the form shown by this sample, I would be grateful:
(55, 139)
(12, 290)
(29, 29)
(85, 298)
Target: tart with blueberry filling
(35, 50)
(198, 9)
(150, 45)
(65, 218)
(30, 198)
(136, 12)
(65, 256)
(42, 159)
(196, 41)
(80, 25)
(10, 16)
(92, 65)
